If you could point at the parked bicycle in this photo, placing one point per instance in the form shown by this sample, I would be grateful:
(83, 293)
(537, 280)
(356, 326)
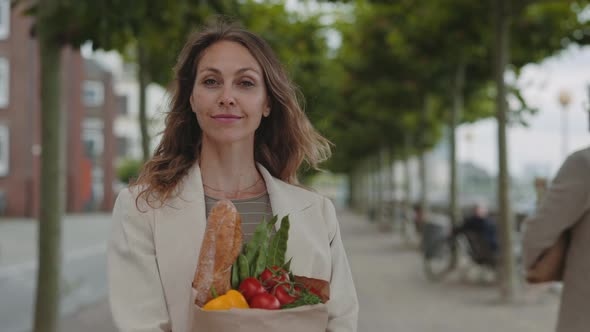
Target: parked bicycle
(442, 248)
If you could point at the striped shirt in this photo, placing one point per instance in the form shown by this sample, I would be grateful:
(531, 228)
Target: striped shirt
(252, 211)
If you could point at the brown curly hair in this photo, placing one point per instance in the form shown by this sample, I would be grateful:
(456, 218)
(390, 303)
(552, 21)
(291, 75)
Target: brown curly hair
(283, 141)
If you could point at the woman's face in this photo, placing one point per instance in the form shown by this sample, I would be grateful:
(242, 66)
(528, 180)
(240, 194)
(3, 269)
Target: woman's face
(229, 95)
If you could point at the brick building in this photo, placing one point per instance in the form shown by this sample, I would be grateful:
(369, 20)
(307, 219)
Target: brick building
(88, 103)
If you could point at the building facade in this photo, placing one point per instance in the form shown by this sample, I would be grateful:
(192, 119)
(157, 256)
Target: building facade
(89, 156)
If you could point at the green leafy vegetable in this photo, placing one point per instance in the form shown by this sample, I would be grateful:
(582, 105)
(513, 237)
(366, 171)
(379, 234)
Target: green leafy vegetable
(244, 269)
(278, 244)
(260, 238)
(235, 277)
(306, 298)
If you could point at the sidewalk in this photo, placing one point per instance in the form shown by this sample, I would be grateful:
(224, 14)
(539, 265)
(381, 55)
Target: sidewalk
(84, 242)
(394, 295)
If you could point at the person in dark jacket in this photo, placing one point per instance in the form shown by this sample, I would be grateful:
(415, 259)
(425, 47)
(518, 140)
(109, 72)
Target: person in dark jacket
(481, 224)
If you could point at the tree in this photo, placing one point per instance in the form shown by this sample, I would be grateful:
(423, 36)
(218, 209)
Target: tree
(52, 173)
(59, 23)
(149, 33)
(501, 33)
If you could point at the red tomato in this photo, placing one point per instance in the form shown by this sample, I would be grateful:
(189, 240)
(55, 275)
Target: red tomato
(265, 301)
(251, 287)
(271, 276)
(285, 295)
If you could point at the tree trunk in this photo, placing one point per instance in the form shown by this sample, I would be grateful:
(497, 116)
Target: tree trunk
(391, 180)
(143, 80)
(408, 177)
(388, 188)
(456, 111)
(424, 202)
(384, 186)
(507, 270)
(355, 190)
(352, 188)
(366, 192)
(47, 301)
(377, 186)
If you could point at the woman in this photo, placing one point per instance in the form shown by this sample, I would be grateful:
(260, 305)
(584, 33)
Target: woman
(235, 131)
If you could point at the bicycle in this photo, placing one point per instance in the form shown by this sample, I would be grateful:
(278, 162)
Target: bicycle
(442, 250)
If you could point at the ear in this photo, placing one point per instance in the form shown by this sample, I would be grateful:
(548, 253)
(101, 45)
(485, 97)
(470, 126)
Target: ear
(266, 111)
(192, 103)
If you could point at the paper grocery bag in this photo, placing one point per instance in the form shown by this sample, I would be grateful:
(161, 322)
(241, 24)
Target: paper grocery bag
(308, 318)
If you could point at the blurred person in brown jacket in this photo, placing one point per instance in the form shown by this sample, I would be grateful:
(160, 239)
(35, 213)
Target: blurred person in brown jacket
(565, 207)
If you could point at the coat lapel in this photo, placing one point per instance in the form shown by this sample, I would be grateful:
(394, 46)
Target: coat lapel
(286, 199)
(179, 230)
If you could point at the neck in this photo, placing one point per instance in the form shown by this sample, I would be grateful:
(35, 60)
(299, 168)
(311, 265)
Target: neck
(230, 172)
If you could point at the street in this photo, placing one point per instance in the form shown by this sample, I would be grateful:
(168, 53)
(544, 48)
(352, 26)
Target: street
(394, 295)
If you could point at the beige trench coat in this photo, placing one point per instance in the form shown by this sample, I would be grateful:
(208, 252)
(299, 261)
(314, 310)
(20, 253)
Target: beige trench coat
(153, 255)
(566, 206)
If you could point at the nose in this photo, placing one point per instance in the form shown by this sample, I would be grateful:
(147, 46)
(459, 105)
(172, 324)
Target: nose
(226, 99)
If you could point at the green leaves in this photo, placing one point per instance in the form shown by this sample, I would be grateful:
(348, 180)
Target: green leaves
(278, 244)
(235, 274)
(264, 250)
(395, 53)
(259, 240)
(365, 67)
(261, 261)
(244, 267)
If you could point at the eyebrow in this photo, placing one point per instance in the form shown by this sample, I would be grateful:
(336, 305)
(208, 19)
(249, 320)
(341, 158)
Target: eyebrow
(239, 71)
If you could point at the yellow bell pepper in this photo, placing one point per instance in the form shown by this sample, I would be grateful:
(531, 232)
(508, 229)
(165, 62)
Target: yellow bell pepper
(231, 299)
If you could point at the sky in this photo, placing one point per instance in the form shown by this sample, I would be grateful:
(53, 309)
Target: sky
(538, 148)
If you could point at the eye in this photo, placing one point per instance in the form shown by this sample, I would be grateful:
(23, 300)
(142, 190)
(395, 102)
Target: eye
(247, 83)
(209, 82)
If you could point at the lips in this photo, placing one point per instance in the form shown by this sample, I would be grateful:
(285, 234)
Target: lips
(226, 118)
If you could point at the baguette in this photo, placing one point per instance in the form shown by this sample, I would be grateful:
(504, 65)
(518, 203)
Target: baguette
(221, 246)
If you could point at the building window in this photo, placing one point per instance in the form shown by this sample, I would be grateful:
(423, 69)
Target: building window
(4, 19)
(93, 137)
(93, 93)
(122, 105)
(122, 147)
(4, 82)
(4, 150)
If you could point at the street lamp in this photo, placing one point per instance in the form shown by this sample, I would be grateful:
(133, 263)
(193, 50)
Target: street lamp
(565, 99)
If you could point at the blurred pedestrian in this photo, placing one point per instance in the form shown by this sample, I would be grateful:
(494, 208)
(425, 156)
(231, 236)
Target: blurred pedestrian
(478, 222)
(235, 131)
(565, 208)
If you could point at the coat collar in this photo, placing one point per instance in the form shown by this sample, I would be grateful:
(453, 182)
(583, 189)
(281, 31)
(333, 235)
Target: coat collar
(284, 198)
